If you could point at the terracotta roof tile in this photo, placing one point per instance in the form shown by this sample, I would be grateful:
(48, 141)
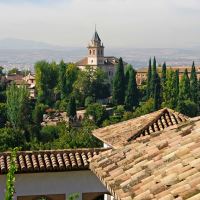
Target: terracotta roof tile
(45, 161)
(164, 167)
(119, 134)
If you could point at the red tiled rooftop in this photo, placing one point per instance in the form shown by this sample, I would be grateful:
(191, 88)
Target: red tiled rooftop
(162, 166)
(117, 135)
(49, 160)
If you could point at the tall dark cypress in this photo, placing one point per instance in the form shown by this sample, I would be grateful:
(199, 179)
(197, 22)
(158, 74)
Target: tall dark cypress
(71, 110)
(184, 87)
(154, 77)
(131, 99)
(164, 74)
(163, 78)
(149, 78)
(193, 84)
(198, 96)
(118, 93)
(176, 88)
(157, 92)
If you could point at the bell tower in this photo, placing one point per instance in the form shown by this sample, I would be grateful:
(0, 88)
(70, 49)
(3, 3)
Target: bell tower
(95, 51)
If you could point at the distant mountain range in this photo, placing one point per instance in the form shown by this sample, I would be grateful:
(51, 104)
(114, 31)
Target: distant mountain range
(24, 53)
(13, 43)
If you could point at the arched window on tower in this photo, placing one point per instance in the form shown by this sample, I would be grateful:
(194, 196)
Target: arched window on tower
(93, 52)
(90, 52)
(102, 52)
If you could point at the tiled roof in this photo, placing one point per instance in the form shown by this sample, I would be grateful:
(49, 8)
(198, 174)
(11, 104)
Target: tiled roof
(108, 60)
(82, 62)
(162, 166)
(45, 161)
(119, 134)
(180, 68)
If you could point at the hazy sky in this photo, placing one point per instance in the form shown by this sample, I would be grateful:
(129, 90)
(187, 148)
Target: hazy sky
(120, 23)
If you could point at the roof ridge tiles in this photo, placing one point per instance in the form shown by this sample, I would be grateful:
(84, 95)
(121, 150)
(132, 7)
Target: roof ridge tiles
(50, 160)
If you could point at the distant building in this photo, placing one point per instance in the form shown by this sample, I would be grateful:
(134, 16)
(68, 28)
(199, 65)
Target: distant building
(141, 75)
(96, 57)
(19, 80)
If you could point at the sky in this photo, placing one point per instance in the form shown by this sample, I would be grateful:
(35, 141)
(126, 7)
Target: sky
(120, 23)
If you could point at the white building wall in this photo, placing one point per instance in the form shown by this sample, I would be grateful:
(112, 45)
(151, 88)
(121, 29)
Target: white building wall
(54, 183)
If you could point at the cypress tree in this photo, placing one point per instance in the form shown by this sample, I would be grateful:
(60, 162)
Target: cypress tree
(154, 77)
(198, 95)
(131, 99)
(71, 110)
(157, 92)
(128, 68)
(119, 84)
(184, 87)
(164, 78)
(149, 76)
(164, 74)
(193, 84)
(176, 88)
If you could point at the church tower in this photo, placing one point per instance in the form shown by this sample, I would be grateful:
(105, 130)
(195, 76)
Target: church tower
(95, 51)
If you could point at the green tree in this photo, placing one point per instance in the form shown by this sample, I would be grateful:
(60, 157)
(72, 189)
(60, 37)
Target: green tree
(193, 84)
(71, 111)
(157, 93)
(118, 93)
(132, 97)
(149, 79)
(11, 138)
(46, 76)
(184, 87)
(154, 78)
(17, 104)
(62, 79)
(171, 90)
(176, 85)
(90, 83)
(3, 117)
(72, 74)
(38, 112)
(163, 77)
(144, 108)
(97, 112)
(164, 73)
(188, 108)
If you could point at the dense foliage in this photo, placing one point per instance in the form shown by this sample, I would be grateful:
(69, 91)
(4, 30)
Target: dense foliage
(65, 88)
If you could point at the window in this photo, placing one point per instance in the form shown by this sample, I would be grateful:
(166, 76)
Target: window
(90, 52)
(101, 52)
(93, 52)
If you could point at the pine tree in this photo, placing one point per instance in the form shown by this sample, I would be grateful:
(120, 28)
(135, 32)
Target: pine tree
(131, 99)
(149, 76)
(193, 84)
(119, 84)
(184, 87)
(71, 111)
(157, 92)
